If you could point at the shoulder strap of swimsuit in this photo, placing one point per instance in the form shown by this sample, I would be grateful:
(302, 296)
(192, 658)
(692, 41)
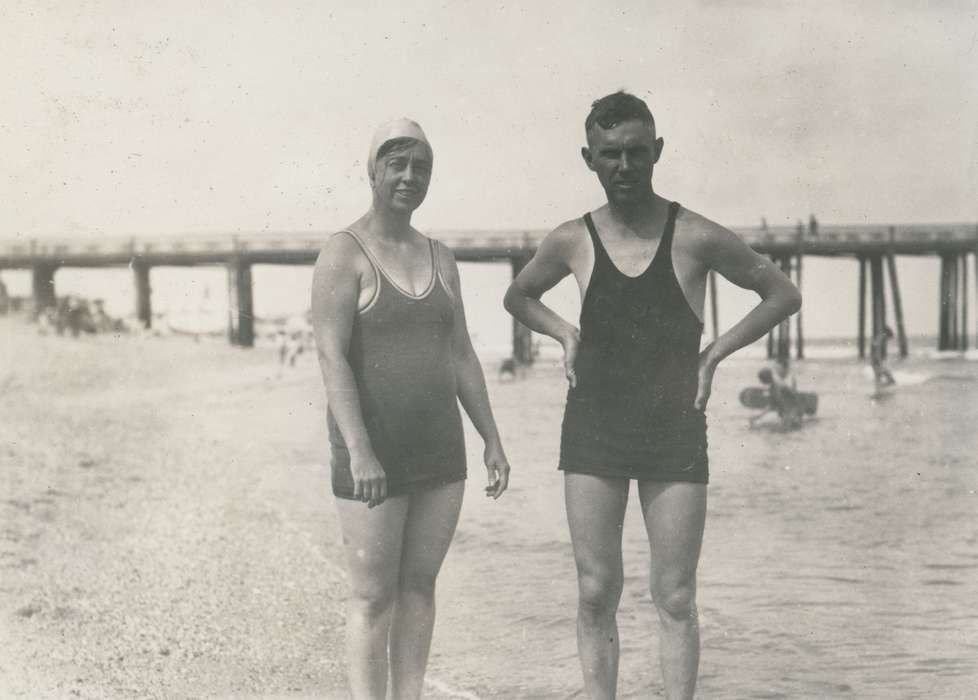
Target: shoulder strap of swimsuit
(439, 271)
(670, 229)
(374, 265)
(359, 241)
(599, 251)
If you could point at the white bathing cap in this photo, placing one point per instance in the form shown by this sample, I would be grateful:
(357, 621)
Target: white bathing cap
(396, 129)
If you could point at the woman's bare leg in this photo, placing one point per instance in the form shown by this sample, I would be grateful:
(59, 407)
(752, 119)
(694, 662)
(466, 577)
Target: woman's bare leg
(431, 519)
(372, 538)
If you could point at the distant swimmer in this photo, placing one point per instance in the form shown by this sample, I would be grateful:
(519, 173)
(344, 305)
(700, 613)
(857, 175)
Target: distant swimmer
(882, 376)
(397, 360)
(779, 395)
(290, 340)
(639, 383)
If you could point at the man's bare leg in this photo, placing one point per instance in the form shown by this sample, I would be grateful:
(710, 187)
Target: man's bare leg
(372, 539)
(674, 514)
(595, 514)
(431, 520)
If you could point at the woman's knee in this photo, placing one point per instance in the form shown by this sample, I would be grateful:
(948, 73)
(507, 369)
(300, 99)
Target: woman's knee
(372, 599)
(417, 581)
(599, 592)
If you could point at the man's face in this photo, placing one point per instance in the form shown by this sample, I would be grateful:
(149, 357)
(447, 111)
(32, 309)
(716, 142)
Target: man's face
(623, 157)
(402, 177)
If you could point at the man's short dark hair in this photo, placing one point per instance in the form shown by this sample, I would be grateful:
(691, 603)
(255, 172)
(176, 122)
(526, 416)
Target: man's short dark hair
(611, 110)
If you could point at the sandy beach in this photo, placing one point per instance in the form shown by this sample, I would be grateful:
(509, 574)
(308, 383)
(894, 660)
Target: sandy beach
(167, 531)
(164, 530)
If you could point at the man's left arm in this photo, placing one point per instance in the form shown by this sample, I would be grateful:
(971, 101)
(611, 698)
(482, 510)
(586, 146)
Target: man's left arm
(723, 251)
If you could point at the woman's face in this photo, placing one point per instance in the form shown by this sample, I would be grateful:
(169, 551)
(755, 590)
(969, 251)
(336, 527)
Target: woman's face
(402, 176)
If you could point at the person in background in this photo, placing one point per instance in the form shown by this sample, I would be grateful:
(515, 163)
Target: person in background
(783, 395)
(877, 357)
(290, 341)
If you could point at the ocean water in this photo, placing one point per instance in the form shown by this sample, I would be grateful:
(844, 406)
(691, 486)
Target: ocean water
(839, 560)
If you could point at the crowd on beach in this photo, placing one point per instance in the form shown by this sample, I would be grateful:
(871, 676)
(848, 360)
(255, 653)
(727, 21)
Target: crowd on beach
(76, 315)
(70, 314)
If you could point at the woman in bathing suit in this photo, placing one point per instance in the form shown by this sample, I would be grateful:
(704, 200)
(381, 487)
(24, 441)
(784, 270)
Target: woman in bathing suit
(396, 359)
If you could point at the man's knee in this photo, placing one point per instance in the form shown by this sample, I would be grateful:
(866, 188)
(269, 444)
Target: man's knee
(599, 593)
(676, 601)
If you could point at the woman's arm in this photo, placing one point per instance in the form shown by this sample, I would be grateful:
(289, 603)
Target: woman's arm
(335, 296)
(471, 383)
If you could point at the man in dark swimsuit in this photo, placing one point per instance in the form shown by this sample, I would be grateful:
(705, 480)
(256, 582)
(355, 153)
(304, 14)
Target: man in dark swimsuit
(639, 382)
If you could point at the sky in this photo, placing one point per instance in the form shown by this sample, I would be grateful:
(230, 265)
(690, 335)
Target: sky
(121, 119)
(138, 119)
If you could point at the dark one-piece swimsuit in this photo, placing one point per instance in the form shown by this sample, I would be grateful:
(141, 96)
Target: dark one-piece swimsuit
(401, 356)
(631, 414)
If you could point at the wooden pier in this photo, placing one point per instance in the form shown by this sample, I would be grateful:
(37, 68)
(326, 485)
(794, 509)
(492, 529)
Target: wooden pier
(873, 247)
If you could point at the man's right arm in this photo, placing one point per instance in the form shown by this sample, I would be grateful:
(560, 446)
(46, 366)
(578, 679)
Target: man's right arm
(550, 264)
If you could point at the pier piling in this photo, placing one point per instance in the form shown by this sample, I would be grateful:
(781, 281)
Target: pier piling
(144, 305)
(963, 275)
(878, 298)
(800, 343)
(861, 334)
(946, 309)
(953, 310)
(241, 315)
(42, 286)
(897, 305)
(771, 333)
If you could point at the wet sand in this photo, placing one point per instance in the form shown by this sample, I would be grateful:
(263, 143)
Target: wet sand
(167, 530)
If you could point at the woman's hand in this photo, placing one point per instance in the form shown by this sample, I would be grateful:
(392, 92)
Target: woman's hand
(497, 468)
(570, 341)
(369, 478)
